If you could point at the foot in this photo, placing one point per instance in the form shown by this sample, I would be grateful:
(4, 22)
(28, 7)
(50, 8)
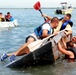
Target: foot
(4, 56)
(12, 58)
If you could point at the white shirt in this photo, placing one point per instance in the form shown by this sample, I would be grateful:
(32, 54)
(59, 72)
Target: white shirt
(47, 27)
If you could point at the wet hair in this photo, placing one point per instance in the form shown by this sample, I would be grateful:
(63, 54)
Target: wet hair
(69, 15)
(55, 19)
(70, 44)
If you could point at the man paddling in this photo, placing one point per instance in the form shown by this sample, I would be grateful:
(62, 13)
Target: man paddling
(47, 29)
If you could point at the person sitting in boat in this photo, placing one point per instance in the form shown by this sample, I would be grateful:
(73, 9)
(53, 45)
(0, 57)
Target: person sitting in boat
(8, 17)
(2, 19)
(45, 31)
(64, 23)
(69, 51)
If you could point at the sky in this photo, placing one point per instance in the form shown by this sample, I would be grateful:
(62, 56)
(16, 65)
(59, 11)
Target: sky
(30, 3)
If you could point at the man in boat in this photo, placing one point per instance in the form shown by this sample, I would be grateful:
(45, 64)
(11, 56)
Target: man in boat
(46, 30)
(1, 18)
(8, 17)
(64, 23)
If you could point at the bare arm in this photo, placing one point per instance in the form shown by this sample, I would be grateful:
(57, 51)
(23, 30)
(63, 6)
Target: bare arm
(64, 51)
(48, 17)
(44, 33)
(63, 41)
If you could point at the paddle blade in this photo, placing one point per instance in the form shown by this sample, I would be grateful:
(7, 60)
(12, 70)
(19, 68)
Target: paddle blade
(37, 5)
(35, 45)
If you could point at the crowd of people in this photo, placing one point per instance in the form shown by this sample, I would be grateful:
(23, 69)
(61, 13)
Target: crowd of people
(52, 27)
(7, 17)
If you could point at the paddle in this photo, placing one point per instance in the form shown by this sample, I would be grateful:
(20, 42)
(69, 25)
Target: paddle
(37, 6)
(38, 43)
(34, 45)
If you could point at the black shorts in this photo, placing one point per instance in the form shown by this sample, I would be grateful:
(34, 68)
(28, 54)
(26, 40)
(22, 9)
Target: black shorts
(29, 37)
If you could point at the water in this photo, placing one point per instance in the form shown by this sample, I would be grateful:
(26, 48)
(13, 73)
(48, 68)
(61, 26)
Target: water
(11, 39)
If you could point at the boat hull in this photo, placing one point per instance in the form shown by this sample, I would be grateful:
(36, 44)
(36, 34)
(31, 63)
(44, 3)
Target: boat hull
(9, 24)
(67, 11)
(41, 56)
(64, 11)
(47, 53)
